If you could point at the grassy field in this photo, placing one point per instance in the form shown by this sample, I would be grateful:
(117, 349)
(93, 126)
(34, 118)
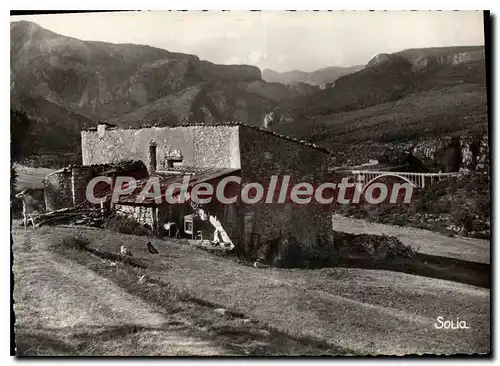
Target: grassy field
(29, 177)
(74, 303)
(89, 305)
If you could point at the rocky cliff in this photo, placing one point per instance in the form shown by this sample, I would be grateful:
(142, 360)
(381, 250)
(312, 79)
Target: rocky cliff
(102, 80)
(390, 77)
(132, 84)
(397, 98)
(453, 154)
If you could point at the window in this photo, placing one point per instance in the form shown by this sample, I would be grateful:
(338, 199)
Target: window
(173, 162)
(188, 227)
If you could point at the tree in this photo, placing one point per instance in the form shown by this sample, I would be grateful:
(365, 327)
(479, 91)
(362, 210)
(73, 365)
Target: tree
(22, 142)
(22, 138)
(13, 180)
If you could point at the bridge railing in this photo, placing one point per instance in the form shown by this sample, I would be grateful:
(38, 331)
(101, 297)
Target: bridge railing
(377, 172)
(417, 179)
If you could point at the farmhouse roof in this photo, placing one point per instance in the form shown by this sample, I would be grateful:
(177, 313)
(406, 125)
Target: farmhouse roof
(123, 166)
(223, 124)
(207, 175)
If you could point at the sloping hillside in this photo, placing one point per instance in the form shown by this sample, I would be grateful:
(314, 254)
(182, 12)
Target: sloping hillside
(83, 76)
(412, 54)
(353, 310)
(397, 97)
(390, 77)
(106, 81)
(56, 128)
(454, 110)
(318, 77)
(211, 102)
(67, 84)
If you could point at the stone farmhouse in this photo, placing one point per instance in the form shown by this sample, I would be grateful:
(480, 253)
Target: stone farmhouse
(208, 153)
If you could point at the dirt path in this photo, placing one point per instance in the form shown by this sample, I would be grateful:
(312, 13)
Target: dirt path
(62, 307)
(427, 242)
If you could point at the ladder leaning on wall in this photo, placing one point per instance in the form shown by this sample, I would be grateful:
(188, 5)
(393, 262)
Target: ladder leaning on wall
(219, 229)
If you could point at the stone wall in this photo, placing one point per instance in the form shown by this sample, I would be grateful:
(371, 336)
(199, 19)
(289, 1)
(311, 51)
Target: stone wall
(267, 225)
(67, 187)
(258, 154)
(58, 190)
(79, 180)
(141, 214)
(200, 146)
(263, 155)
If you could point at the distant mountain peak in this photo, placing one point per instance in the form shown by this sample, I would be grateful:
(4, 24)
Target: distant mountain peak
(318, 77)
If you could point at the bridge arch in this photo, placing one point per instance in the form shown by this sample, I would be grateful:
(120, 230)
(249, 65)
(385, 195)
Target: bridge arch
(415, 179)
(367, 184)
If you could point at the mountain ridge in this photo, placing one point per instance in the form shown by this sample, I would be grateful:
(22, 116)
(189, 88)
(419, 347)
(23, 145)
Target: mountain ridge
(69, 83)
(317, 77)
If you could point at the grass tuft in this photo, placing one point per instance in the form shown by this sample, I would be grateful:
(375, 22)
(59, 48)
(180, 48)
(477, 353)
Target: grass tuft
(70, 242)
(126, 225)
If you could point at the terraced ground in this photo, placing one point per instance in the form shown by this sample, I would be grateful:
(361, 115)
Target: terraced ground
(424, 241)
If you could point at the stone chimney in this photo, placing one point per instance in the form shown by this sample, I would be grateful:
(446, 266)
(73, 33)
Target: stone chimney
(152, 158)
(101, 129)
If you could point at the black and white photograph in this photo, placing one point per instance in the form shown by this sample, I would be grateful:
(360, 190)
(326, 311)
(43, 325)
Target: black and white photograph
(250, 183)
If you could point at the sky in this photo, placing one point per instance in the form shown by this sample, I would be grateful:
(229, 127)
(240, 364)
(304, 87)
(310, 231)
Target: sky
(279, 40)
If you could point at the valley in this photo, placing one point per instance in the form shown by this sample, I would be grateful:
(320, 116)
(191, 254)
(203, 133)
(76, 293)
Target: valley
(65, 85)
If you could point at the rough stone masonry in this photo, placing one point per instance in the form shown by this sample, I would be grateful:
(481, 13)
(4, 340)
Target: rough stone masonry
(257, 153)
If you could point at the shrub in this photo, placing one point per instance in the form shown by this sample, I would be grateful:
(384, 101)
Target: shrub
(463, 218)
(126, 225)
(13, 180)
(70, 242)
(400, 220)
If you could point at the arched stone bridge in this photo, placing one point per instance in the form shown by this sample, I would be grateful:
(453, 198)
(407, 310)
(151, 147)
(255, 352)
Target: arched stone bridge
(366, 177)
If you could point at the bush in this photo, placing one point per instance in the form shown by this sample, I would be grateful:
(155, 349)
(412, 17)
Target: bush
(400, 220)
(463, 218)
(13, 180)
(433, 198)
(126, 225)
(71, 242)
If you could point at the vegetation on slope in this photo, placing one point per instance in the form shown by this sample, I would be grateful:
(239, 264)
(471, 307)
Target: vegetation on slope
(317, 77)
(398, 97)
(458, 205)
(452, 110)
